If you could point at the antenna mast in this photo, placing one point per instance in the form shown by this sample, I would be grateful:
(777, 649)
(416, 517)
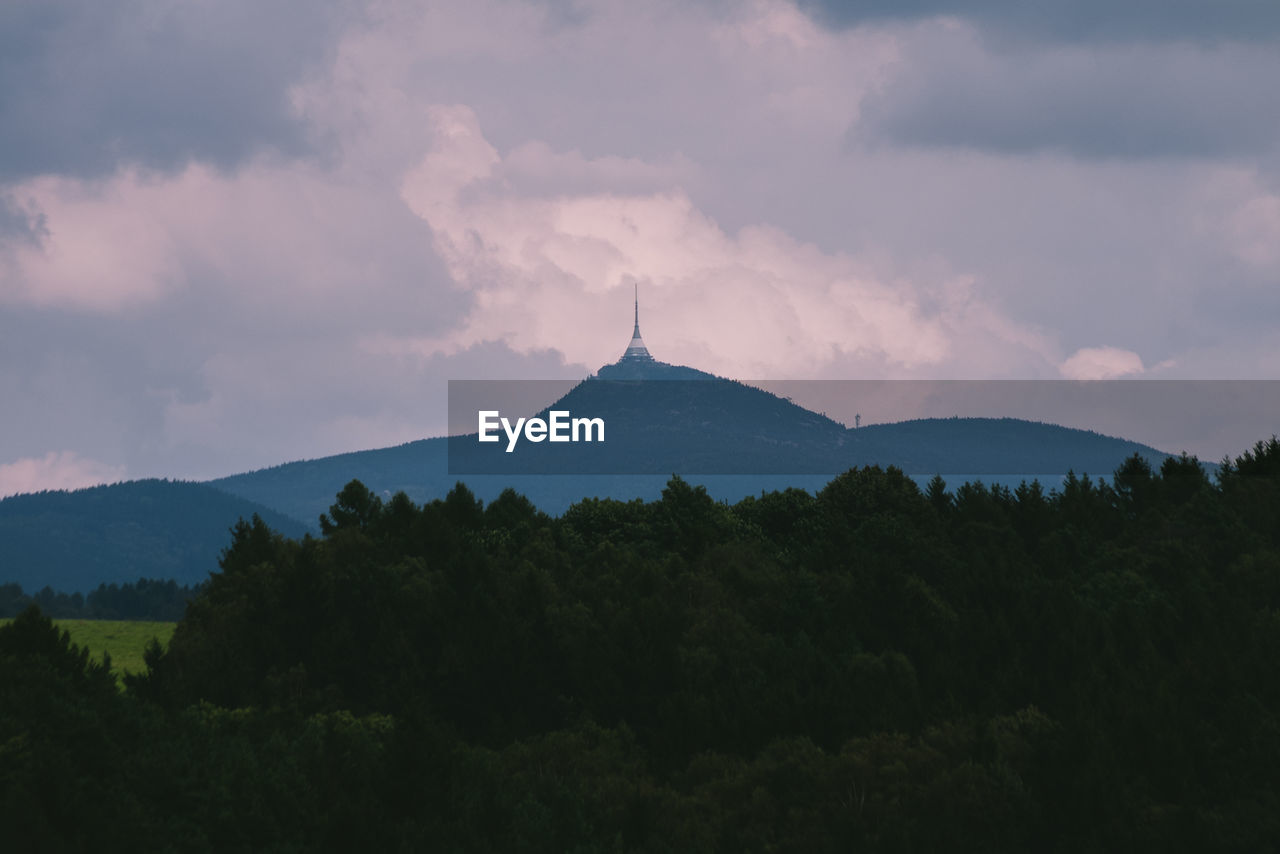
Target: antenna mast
(637, 350)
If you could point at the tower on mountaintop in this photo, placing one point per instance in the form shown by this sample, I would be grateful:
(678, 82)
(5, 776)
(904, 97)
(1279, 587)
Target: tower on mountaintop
(636, 351)
(638, 364)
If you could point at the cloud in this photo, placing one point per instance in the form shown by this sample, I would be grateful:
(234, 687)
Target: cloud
(1078, 21)
(300, 238)
(1101, 363)
(18, 224)
(533, 168)
(95, 250)
(1253, 231)
(545, 269)
(1131, 101)
(86, 86)
(224, 253)
(223, 311)
(55, 470)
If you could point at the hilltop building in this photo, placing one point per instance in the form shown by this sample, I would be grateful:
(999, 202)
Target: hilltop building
(637, 363)
(636, 351)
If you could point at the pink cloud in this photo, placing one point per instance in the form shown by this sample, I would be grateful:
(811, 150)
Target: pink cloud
(55, 470)
(1254, 231)
(106, 244)
(549, 270)
(1101, 363)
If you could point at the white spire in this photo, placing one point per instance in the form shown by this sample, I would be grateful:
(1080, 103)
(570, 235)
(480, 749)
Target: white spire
(636, 349)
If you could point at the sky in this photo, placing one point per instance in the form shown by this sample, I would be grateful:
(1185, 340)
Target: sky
(243, 232)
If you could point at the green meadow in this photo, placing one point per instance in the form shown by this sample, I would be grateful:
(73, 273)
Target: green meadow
(125, 640)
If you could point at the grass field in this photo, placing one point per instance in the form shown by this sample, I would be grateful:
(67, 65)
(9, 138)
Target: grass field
(124, 639)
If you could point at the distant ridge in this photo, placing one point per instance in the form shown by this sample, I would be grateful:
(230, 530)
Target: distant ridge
(998, 445)
(75, 540)
(704, 426)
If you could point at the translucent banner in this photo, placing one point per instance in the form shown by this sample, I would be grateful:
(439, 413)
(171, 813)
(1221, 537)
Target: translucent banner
(713, 426)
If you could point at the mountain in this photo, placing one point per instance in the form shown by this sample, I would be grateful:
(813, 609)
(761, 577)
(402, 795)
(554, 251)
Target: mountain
(662, 419)
(74, 541)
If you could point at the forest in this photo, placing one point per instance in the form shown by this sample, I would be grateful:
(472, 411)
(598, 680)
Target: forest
(145, 599)
(872, 667)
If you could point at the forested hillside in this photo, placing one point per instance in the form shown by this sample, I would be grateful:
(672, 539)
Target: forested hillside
(874, 667)
(738, 444)
(161, 529)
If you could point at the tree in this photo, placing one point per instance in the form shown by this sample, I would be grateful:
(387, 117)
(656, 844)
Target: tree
(356, 508)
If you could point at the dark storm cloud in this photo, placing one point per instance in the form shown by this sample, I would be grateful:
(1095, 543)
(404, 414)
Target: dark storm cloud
(1128, 101)
(86, 85)
(1074, 20)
